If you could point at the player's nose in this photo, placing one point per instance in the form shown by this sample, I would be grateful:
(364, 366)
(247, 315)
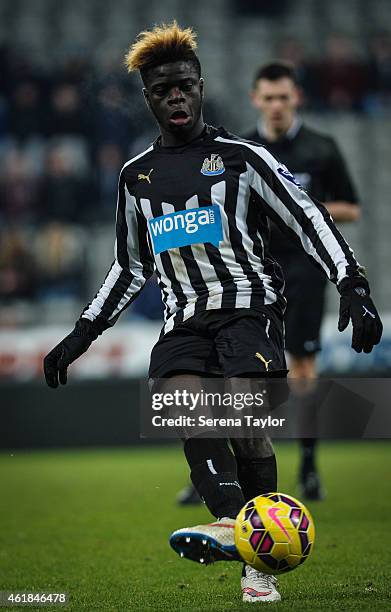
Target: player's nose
(176, 95)
(276, 104)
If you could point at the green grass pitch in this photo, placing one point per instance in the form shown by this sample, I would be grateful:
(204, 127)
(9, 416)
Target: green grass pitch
(96, 523)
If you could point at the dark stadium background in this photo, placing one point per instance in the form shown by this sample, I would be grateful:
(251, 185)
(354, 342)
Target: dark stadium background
(70, 117)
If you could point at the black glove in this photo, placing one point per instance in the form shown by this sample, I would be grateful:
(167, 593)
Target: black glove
(355, 304)
(75, 344)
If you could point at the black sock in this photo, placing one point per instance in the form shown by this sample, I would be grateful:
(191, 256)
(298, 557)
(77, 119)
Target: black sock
(308, 447)
(257, 476)
(214, 475)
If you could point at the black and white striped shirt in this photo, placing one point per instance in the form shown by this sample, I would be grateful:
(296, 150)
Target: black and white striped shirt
(197, 215)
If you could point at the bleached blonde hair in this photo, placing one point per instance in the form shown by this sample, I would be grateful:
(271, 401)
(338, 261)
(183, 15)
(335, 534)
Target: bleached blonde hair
(163, 44)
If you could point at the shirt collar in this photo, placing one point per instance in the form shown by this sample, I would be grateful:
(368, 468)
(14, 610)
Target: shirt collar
(290, 134)
(208, 131)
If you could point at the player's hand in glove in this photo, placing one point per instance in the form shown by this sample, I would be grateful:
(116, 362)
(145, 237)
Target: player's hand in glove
(356, 304)
(75, 344)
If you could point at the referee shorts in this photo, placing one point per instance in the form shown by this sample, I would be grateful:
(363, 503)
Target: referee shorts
(305, 289)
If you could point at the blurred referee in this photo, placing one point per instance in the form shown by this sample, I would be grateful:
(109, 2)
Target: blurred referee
(317, 164)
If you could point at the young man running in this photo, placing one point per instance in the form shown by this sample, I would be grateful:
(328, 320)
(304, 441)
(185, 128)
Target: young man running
(221, 289)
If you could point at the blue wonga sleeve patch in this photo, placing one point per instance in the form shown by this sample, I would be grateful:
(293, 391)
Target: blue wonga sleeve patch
(186, 227)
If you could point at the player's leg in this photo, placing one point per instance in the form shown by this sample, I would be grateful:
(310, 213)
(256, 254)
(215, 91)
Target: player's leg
(257, 465)
(257, 474)
(256, 470)
(255, 458)
(213, 473)
(303, 372)
(251, 350)
(177, 362)
(213, 469)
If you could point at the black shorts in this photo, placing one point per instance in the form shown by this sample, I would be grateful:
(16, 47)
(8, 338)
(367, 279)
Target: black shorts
(224, 342)
(305, 288)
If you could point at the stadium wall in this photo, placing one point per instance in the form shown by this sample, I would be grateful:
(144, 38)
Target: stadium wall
(99, 413)
(100, 404)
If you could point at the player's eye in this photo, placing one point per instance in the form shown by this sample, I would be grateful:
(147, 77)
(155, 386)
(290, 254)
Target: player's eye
(160, 90)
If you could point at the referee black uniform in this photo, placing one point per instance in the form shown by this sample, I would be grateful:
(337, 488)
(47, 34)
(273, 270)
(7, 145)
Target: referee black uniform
(317, 164)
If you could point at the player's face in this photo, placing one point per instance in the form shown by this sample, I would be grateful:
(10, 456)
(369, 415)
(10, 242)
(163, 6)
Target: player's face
(277, 101)
(174, 94)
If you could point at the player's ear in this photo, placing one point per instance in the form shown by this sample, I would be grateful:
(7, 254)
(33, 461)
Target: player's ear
(201, 84)
(146, 97)
(254, 99)
(299, 96)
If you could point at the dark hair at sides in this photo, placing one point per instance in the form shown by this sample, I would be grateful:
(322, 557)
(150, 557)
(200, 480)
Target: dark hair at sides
(170, 58)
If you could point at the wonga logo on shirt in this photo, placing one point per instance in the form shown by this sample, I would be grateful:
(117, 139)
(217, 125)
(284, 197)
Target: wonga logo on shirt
(185, 227)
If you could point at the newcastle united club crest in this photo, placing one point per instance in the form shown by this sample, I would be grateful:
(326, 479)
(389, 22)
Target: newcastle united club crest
(213, 166)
